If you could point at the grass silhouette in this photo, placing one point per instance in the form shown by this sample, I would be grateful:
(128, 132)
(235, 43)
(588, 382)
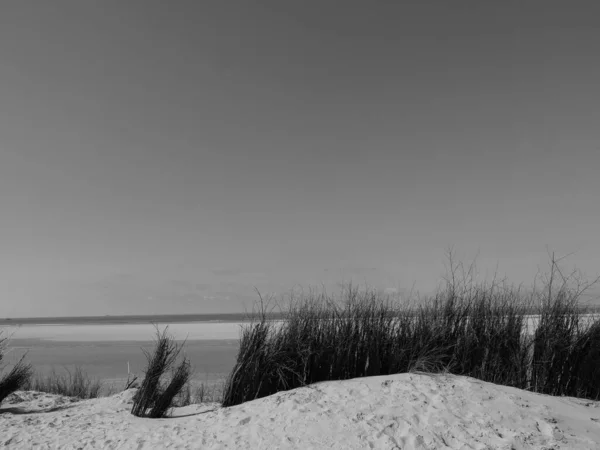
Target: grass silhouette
(152, 398)
(17, 377)
(474, 329)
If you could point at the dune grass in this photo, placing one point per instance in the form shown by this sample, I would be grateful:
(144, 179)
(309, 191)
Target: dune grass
(467, 328)
(70, 384)
(17, 377)
(154, 398)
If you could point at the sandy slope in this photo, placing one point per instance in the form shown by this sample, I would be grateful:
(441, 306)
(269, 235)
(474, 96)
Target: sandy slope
(398, 411)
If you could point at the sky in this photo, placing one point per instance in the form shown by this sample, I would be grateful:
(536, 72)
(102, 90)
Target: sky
(170, 157)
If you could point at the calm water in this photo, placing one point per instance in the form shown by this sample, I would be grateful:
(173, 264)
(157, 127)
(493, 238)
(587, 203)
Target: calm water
(108, 349)
(212, 359)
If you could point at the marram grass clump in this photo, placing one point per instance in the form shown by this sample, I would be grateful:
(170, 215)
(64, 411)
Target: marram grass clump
(17, 377)
(154, 398)
(481, 330)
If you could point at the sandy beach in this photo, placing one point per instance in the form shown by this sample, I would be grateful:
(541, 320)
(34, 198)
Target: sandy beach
(406, 411)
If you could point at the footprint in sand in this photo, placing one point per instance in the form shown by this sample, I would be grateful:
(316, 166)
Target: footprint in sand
(244, 421)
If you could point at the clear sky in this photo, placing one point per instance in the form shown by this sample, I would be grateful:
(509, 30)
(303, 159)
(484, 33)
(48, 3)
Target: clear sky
(167, 157)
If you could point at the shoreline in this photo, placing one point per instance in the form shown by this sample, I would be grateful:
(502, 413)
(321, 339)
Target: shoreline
(162, 319)
(180, 331)
(130, 319)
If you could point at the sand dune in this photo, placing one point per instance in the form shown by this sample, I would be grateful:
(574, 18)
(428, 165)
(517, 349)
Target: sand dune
(406, 411)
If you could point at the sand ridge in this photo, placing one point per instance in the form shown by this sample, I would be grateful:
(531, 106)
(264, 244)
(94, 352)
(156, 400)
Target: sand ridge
(404, 411)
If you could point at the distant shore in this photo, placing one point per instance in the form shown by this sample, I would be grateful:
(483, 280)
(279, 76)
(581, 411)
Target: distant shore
(133, 319)
(165, 318)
